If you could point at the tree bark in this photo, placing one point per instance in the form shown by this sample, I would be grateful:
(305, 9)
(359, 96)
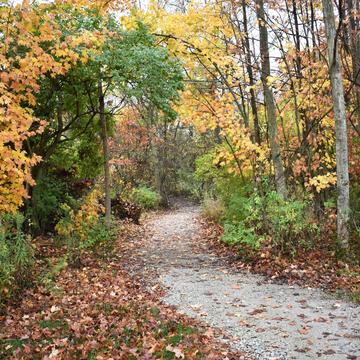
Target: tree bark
(342, 171)
(249, 70)
(354, 32)
(104, 138)
(270, 103)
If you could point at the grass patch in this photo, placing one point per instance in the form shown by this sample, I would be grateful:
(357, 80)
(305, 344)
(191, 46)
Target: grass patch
(53, 324)
(105, 308)
(8, 346)
(155, 312)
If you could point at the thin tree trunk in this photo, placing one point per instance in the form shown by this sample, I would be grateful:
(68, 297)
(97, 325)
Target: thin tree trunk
(104, 138)
(354, 31)
(342, 170)
(270, 103)
(297, 38)
(257, 132)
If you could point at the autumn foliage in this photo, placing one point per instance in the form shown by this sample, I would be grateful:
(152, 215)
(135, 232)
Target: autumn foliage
(109, 109)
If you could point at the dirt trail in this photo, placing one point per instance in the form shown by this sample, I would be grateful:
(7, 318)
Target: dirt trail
(267, 320)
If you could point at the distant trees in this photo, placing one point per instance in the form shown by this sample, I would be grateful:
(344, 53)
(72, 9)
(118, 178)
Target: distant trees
(258, 78)
(257, 88)
(66, 81)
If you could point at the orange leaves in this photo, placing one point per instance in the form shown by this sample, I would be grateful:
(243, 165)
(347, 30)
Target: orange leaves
(19, 74)
(31, 48)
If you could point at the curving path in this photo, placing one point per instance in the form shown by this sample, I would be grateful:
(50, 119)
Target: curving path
(263, 319)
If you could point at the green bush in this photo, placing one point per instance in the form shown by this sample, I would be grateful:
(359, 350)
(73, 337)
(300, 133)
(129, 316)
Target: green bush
(94, 237)
(82, 227)
(145, 198)
(252, 219)
(48, 194)
(16, 254)
(288, 223)
(241, 221)
(98, 235)
(241, 234)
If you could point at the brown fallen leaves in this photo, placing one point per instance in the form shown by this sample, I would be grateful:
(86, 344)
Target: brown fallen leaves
(317, 267)
(100, 312)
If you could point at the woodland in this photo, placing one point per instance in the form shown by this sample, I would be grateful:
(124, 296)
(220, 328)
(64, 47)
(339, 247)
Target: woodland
(115, 113)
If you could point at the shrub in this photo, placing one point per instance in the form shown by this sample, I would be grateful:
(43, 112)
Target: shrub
(252, 219)
(16, 254)
(145, 198)
(239, 233)
(98, 235)
(81, 228)
(213, 209)
(44, 212)
(288, 223)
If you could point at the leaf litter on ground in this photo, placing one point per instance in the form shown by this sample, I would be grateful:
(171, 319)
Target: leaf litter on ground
(102, 312)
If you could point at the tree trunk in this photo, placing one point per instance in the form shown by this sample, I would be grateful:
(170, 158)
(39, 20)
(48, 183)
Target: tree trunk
(342, 171)
(104, 138)
(354, 30)
(270, 103)
(160, 177)
(249, 70)
(160, 168)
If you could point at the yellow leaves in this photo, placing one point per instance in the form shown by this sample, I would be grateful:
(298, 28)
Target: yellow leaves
(80, 222)
(191, 35)
(27, 27)
(79, 47)
(60, 52)
(271, 80)
(5, 100)
(322, 182)
(25, 61)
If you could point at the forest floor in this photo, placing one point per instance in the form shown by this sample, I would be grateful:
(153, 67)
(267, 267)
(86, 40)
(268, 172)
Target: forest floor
(163, 291)
(98, 311)
(264, 319)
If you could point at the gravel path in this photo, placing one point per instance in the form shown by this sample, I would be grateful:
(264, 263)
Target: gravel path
(268, 321)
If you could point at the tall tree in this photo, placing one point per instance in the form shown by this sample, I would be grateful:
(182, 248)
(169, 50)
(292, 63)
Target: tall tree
(342, 166)
(270, 102)
(354, 30)
(105, 144)
(249, 69)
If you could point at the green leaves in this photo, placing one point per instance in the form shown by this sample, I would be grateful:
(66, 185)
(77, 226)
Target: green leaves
(141, 71)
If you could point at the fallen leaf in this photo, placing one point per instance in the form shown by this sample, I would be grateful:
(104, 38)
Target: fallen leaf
(177, 351)
(305, 330)
(257, 311)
